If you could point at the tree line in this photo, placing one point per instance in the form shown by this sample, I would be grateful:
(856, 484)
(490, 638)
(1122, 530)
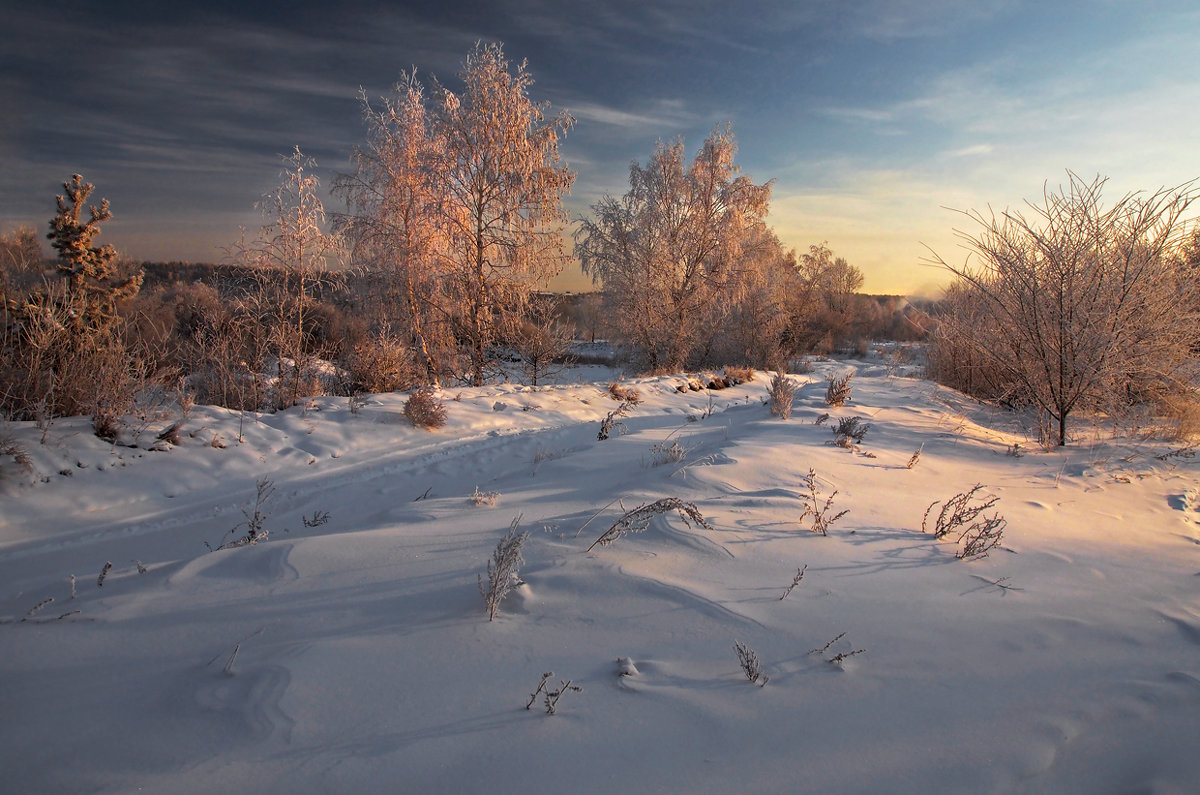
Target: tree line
(453, 220)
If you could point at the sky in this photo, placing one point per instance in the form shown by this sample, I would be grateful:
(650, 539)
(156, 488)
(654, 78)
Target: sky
(879, 120)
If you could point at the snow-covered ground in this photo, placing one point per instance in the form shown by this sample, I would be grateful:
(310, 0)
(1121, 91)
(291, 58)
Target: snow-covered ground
(355, 655)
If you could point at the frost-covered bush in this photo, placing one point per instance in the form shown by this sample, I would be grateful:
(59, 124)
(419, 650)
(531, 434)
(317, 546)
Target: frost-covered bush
(425, 410)
(780, 393)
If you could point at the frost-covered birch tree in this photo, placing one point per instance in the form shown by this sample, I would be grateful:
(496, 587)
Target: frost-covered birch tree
(395, 195)
(669, 250)
(501, 205)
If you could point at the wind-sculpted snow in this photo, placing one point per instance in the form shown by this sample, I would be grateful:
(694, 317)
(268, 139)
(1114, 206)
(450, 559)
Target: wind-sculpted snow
(355, 653)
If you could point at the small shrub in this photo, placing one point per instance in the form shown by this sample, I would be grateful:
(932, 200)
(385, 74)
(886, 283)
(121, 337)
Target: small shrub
(623, 394)
(502, 569)
(255, 519)
(738, 375)
(638, 519)
(11, 448)
(781, 391)
(318, 518)
(838, 391)
(663, 453)
(750, 664)
(424, 410)
(381, 363)
(487, 498)
(820, 512)
(850, 431)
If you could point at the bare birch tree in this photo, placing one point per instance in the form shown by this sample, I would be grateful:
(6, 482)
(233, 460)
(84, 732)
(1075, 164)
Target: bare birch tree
(671, 246)
(1082, 307)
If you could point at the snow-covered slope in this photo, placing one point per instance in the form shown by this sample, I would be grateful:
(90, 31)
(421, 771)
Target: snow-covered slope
(356, 655)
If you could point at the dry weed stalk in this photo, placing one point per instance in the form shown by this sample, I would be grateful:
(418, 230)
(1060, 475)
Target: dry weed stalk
(502, 568)
(821, 520)
(912, 462)
(638, 519)
(963, 514)
(795, 581)
(750, 664)
(612, 423)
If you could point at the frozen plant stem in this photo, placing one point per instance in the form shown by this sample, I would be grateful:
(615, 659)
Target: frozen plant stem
(104, 573)
(502, 569)
(229, 665)
(750, 664)
(541, 685)
(821, 520)
(795, 581)
(638, 519)
(37, 607)
(552, 696)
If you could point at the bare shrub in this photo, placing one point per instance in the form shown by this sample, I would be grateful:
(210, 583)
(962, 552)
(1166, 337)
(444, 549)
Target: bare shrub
(424, 410)
(502, 569)
(544, 341)
(624, 394)
(11, 448)
(255, 519)
(750, 664)
(487, 498)
(781, 391)
(963, 514)
(382, 362)
(638, 519)
(666, 453)
(850, 431)
(838, 391)
(1183, 417)
(820, 512)
(738, 375)
(1074, 306)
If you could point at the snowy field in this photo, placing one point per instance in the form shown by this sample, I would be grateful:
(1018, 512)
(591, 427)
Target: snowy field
(355, 655)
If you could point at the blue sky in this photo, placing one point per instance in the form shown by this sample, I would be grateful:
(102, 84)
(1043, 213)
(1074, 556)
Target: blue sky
(872, 117)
